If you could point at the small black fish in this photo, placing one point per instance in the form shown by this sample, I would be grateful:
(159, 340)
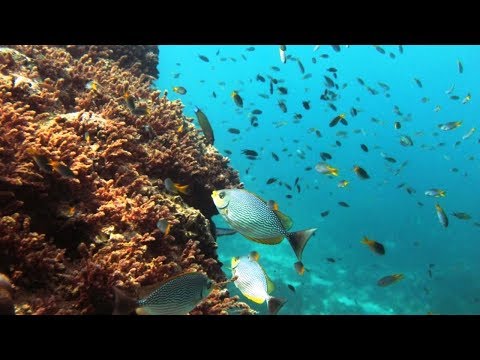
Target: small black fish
(380, 49)
(287, 186)
(234, 131)
(300, 65)
(228, 152)
(392, 55)
(288, 196)
(325, 156)
(291, 287)
(314, 60)
(325, 213)
(257, 112)
(275, 156)
(336, 47)
(343, 203)
(249, 152)
(306, 105)
(283, 90)
(271, 181)
(260, 78)
(460, 66)
(308, 168)
(332, 69)
(364, 147)
(400, 48)
(419, 83)
(330, 260)
(390, 159)
(361, 82)
(203, 58)
(324, 56)
(362, 174)
(353, 111)
(214, 95)
(454, 97)
(329, 81)
(333, 107)
(338, 143)
(282, 106)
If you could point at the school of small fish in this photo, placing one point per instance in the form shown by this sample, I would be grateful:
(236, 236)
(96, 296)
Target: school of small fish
(260, 220)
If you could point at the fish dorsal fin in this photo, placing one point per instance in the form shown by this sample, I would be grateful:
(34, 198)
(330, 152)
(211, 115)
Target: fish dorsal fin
(272, 204)
(145, 291)
(284, 219)
(257, 196)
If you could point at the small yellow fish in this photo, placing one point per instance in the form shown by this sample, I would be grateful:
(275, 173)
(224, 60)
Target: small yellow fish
(375, 246)
(164, 226)
(129, 100)
(180, 90)
(324, 168)
(467, 99)
(175, 188)
(442, 217)
(237, 99)
(342, 183)
(61, 169)
(389, 280)
(437, 108)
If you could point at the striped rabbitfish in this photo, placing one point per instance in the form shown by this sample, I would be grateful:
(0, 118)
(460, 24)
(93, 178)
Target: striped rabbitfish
(177, 296)
(254, 283)
(258, 220)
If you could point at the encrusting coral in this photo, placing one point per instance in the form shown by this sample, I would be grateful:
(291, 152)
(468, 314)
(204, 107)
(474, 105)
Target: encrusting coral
(85, 146)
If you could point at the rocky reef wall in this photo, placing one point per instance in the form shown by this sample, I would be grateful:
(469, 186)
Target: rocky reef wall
(86, 143)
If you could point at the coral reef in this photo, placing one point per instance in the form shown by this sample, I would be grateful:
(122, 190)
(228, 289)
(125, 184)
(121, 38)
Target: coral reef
(85, 146)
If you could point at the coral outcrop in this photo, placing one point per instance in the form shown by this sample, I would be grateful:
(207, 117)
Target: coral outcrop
(85, 146)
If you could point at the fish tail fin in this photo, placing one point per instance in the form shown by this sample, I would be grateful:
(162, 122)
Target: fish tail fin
(442, 193)
(124, 304)
(299, 239)
(184, 189)
(365, 240)
(275, 304)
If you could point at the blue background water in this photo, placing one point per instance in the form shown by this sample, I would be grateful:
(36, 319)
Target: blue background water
(411, 234)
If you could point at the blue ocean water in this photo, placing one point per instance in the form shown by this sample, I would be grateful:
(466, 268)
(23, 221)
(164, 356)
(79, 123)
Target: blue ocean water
(440, 264)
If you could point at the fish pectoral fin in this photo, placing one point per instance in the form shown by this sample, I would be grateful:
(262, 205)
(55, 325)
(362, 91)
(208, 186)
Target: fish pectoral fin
(255, 299)
(269, 241)
(284, 219)
(272, 205)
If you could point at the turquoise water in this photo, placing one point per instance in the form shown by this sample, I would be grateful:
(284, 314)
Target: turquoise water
(412, 235)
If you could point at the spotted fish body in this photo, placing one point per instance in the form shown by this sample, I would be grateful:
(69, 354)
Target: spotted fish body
(258, 220)
(254, 283)
(177, 296)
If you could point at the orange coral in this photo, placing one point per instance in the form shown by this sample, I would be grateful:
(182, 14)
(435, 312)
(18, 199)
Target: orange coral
(69, 232)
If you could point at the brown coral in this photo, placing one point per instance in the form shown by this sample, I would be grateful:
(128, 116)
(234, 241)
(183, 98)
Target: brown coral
(68, 237)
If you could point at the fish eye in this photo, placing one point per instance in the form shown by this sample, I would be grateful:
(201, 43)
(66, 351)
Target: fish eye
(221, 195)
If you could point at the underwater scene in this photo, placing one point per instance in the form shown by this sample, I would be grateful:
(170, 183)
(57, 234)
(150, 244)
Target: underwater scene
(239, 180)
